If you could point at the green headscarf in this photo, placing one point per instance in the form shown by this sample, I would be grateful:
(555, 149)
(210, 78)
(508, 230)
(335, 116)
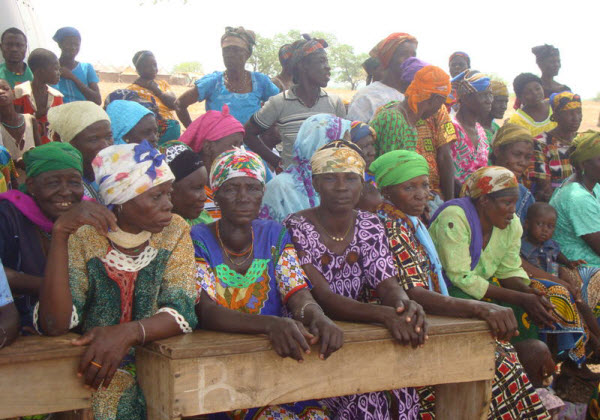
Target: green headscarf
(587, 146)
(398, 166)
(52, 157)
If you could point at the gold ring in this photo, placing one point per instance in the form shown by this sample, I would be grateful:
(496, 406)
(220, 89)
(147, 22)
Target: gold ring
(98, 365)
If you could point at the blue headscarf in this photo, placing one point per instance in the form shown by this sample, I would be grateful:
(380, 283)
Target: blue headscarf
(292, 190)
(360, 130)
(124, 115)
(62, 33)
(470, 81)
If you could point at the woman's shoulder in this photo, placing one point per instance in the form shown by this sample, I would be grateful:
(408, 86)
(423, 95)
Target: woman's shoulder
(261, 77)
(89, 242)
(209, 78)
(169, 236)
(367, 217)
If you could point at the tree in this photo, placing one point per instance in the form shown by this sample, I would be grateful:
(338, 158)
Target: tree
(188, 67)
(265, 55)
(346, 65)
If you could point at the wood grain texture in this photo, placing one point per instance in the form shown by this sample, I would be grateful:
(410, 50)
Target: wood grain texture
(468, 400)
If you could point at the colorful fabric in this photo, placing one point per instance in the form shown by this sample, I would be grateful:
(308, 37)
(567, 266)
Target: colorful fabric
(536, 128)
(239, 37)
(460, 54)
(360, 130)
(393, 131)
(491, 132)
(125, 171)
(236, 163)
(409, 68)
(428, 81)
(468, 155)
(124, 116)
(86, 73)
(587, 146)
(69, 120)
(5, 293)
(470, 81)
(564, 101)
(149, 96)
(29, 208)
(510, 134)
(487, 180)
(211, 126)
(292, 190)
(398, 166)
(64, 32)
(25, 104)
(499, 88)
(285, 54)
(52, 157)
(14, 79)
(550, 161)
(386, 48)
(369, 99)
(181, 159)
(7, 168)
(338, 156)
(306, 47)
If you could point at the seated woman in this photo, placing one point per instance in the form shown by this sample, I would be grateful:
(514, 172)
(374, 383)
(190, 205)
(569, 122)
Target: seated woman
(292, 190)
(125, 277)
(403, 178)
(551, 148)
(344, 251)
(9, 316)
(547, 57)
(248, 274)
(532, 110)
(87, 127)
(189, 194)
(54, 185)
(479, 241)
(131, 122)
(242, 90)
(157, 92)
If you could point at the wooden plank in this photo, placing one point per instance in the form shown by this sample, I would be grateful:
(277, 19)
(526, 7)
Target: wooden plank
(37, 348)
(156, 379)
(467, 400)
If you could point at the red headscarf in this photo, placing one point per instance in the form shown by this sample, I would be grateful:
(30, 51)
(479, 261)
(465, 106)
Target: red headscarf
(430, 80)
(212, 126)
(386, 48)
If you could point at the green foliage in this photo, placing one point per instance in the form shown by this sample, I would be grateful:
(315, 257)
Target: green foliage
(188, 67)
(265, 56)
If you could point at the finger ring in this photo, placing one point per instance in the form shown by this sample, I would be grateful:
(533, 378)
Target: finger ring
(98, 365)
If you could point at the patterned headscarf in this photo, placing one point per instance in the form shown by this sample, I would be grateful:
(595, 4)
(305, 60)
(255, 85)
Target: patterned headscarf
(510, 133)
(386, 48)
(338, 156)
(306, 47)
(460, 54)
(236, 163)
(498, 88)
(360, 130)
(124, 116)
(398, 166)
(430, 80)
(70, 119)
(487, 180)
(564, 101)
(211, 126)
(285, 54)
(53, 156)
(238, 37)
(470, 81)
(139, 56)
(125, 171)
(587, 146)
(181, 159)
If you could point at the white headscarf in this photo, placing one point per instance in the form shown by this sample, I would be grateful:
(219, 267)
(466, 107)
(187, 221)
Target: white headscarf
(70, 119)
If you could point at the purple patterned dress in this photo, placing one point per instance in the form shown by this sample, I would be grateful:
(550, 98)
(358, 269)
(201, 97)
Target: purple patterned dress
(365, 263)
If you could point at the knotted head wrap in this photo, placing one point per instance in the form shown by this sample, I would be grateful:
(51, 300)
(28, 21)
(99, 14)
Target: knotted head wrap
(338, 156)
(53, 156)
(470, 81)
(238, 37)
(398, 166)
(211, 126)
(487, 180)
(386, 48)
(430, 80)
(70, 119)
(236, 163)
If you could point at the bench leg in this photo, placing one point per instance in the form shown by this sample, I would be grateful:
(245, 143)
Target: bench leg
(467, 400)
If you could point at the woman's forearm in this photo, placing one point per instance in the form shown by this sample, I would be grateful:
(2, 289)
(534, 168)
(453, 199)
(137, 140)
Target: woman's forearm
(215, 317)
(504, 294)
(21, 283)
(9, 324)
(437, 304)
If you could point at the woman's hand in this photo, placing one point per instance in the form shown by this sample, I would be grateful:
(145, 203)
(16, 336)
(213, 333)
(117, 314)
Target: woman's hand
(107, 348)
(501, 320)
(539, 308)
(289, 338)
(86, 213)
(330, 335)
(403, 326)
(65, 73)
(413, 313)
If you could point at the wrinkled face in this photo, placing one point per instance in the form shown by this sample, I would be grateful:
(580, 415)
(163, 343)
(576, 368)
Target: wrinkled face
(316, 67)
(569, 120)
(516, 157)
(50, 73)
(240, 199)
(550, 66)
(458, 65)
(55, 192)
(340, 192)
(14, 48)
(6, 94)
(411, 196)
(147, 68)
(91, 140)
(404, 51)
(499, 106)
(540, 227)
(188, 195)
(70, 46)
(533, 93)
(479, 103)
(145, 129)
(150, 211)
(367, 146)
(431, 106)
(500, 211)
(212, 149)
(235, 57)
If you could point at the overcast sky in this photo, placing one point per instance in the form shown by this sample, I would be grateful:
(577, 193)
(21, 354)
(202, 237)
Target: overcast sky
(497, 35)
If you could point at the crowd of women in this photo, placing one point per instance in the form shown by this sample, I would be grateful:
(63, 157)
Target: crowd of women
(281, 210)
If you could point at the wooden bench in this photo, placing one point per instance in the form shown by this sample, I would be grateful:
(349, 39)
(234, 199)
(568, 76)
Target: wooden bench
(208, 372)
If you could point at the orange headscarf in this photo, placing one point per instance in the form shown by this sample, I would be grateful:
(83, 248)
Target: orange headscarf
(428, 81)
(385, 49)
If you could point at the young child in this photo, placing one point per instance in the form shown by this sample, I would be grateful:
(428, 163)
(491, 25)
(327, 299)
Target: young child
(37, 97)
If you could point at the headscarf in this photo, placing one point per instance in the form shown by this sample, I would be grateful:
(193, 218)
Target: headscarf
(386, 48)
(398, 166)
(125, 171)
(285, 54)
(370, 65)
(359, 130)
(53, 156)
(409, 68)
(499, 88)
(510, 133)
(487, 180)
(338, 156)
(460, 54)
(542, 52)
(211, 126)
(564, 101)
(470, 81)
(139, 56)
(181, 159)
(62, 33)
(131, 95)
(124, 116)
(236, 163)
(70, 119)
(306, 47)
(238, 37)
(587, 146)
(430, 80)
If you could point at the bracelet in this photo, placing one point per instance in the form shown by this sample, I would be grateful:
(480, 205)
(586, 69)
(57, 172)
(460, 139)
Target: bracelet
(5, 337)
(143, 333)
(304, 307)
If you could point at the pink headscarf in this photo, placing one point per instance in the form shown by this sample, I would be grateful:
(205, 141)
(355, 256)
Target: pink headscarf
(211, 126)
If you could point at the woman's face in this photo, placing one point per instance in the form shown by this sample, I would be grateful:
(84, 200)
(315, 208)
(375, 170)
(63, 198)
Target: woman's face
(515, 157)
(569, 120)
(91, 140)
(235, 57)
(340, 192)
(316, 68)
(70, 46)
(55, 192)
(591, 168)
(429, 107)
(411, 196)
(404, 51)
(147, 68)
(533, 93)
(501, 210)
(239, 199)
(150, 211)
(499, 106)
(6, 94)
(458, 65)
(188, 195)
(367, 145)
(212, 149)
(550, 66)
(479, 103)
(145, 129)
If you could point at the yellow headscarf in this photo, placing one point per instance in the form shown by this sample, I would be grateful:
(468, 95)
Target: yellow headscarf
(510, 133)
(498, 88)
(338, 156)
(488, 180)
(587, 146)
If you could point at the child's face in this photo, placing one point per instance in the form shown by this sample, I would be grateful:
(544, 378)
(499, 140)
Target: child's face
(540, 227)
(50, 74)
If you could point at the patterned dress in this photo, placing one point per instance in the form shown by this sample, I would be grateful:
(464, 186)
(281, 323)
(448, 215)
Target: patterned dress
(364, 264)
(550, 161)
(466, 156)
(513, 396)
(274, 275)
(393, 131)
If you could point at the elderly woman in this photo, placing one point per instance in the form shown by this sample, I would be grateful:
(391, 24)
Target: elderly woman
(124, 277)
(131, 122)
(242, 90)
(87, 127)
(343, 251)
(532, 110)
(499, 105)
(158, 92)
(547, 57)
(248, 272)
(403, 178)
(551, 149)
(54, 185)
(292, 190)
